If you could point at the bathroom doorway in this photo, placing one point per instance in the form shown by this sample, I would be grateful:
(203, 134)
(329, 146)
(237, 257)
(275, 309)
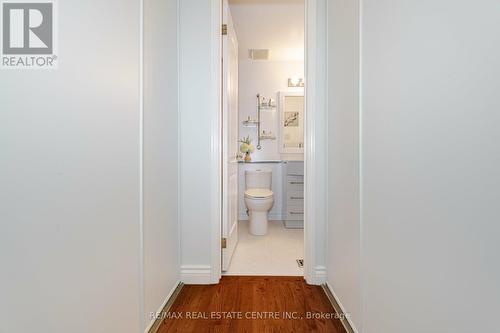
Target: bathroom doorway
(263, 137)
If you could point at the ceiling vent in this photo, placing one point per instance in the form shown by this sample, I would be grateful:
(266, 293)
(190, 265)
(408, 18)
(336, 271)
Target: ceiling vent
(258, 54)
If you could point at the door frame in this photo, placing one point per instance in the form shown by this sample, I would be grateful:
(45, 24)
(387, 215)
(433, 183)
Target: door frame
(315, 138)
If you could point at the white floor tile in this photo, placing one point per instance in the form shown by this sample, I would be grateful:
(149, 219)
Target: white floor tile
(273, 254)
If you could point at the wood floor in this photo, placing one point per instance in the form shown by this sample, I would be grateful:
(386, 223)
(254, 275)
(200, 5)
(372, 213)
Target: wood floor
(252, 304)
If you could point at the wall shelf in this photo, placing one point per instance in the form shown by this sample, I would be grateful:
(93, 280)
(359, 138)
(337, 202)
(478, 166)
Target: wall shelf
(250, 123)
(264, 107)
(267, 136)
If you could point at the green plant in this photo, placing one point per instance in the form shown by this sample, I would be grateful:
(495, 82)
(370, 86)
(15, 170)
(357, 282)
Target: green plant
(246, 146)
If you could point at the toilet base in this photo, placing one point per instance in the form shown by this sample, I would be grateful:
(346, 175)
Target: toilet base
(258, 223)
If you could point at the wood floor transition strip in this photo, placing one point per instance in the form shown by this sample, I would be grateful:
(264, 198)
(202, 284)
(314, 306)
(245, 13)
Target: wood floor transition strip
(343, 317)
(166, 309)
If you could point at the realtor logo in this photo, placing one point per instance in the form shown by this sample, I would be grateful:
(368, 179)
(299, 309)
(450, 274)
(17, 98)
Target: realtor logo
(28, 31)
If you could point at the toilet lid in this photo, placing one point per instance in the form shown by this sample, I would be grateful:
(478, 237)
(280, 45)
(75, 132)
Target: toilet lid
(260, 193)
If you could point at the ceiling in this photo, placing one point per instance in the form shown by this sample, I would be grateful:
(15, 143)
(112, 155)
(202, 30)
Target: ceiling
(277, 25)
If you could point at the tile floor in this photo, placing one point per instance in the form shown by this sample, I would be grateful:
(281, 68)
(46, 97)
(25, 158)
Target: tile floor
(273, 254)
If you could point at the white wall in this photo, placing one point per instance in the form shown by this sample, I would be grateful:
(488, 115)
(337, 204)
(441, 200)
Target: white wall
(430, 166)
(425, 245)
(161, 232)
(278, 27)
(69, 244)
(343, 156)
(274, 25)
(199, 162)
(266, 78)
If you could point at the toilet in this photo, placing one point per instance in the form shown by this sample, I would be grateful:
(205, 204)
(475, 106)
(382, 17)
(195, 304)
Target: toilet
(259, 199)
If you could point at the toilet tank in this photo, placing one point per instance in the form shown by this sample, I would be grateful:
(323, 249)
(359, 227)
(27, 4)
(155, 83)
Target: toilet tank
(258, 179)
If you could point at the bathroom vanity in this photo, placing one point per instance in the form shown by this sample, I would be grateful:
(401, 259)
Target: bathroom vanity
(293, 192)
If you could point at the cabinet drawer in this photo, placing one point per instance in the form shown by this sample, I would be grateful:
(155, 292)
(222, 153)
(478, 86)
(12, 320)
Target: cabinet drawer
(295, 168)
(295, 199)
(295, 183)
(295, 213)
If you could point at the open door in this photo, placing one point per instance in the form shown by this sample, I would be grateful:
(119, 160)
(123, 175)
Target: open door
(230, 139)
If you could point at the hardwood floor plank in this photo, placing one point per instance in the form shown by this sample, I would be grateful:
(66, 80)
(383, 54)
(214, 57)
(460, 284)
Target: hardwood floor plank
(248, 304)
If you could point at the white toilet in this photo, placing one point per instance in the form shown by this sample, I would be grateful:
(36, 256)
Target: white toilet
(259, 199)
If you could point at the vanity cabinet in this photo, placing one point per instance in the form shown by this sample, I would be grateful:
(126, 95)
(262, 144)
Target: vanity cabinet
(293, 190)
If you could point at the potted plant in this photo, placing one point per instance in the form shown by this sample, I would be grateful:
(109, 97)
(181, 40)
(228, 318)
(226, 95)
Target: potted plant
(247, 148)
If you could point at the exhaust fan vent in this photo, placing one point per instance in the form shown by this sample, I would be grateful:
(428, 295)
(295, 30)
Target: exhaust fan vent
(258, 54)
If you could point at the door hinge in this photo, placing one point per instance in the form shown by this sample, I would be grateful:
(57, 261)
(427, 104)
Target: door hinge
(224, 29)
(223, 243)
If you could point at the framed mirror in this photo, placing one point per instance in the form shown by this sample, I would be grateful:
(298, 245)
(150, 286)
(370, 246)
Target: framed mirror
(291, 122)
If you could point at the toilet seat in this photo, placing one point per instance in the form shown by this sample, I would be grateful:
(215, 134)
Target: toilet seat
(258, 193)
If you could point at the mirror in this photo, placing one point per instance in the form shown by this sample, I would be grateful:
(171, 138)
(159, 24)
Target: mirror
(291, 108)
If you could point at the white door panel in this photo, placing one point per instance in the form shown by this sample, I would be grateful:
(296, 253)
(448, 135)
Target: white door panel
(230, 139)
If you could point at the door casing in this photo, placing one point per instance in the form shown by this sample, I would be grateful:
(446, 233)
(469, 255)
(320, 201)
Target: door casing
(315, 151)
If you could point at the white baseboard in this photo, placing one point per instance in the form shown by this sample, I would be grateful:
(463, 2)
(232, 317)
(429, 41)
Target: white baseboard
(339, 303)
(170, 298)
(196, 274)
(317, 276)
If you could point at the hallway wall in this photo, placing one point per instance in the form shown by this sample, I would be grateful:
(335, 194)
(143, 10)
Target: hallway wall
(73, 257)
(421, 255)
(431, 166)
(161, 230)
(69, 173)
(198, 115)
(343, 265)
